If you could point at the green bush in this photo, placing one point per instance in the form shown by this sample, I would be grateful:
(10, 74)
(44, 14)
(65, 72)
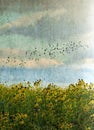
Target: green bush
(47, 108)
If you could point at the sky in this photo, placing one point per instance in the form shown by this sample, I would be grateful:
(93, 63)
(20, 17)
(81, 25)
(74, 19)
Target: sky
(43, 33)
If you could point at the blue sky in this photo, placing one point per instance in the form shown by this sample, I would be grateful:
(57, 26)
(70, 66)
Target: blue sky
(39, 24)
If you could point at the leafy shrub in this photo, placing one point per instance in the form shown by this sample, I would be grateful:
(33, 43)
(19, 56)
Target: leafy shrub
(47, 108)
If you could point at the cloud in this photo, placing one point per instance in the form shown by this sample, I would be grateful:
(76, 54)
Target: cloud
(11, 52)
(23, 21)
(88, 36)
(27, 5)
(48, 62)
(88, 39)
(43, 62)
(57, 13)
(86, 63)
(89, 62)
(33, 18)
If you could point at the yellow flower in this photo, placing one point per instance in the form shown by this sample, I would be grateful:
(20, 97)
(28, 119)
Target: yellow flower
(25, 115)
(22, 122)
(39, 100)
(63, 98)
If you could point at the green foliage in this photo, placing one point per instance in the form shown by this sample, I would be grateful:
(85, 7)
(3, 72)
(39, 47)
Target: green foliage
(47, 108)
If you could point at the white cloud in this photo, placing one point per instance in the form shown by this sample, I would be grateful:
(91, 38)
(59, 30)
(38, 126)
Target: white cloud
(11, 52)
(23, 21)
(87, 63)
(48, 62)
(56, 13)
(33, 18)
(43, 62)
(89, 36)
(88, 39)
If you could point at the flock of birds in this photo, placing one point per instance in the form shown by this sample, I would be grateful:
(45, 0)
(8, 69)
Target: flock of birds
(51, 52)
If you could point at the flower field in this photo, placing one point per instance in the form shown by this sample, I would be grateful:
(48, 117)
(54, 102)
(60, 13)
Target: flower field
(47, 108)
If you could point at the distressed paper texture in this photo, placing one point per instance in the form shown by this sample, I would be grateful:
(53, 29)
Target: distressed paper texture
(51, 40)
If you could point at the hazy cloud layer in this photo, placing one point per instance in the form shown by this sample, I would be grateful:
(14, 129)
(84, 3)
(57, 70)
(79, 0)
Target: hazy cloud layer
(28, 23)
(33, 18)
